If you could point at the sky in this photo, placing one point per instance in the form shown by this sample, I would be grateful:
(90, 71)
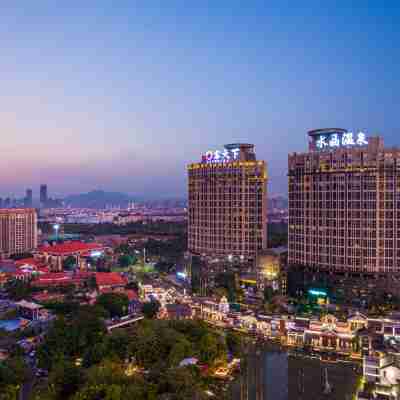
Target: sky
(121, 96)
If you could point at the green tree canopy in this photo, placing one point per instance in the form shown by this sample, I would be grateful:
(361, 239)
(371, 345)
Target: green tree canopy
(70, 338)
(125, 260)
(268, 294)
(18, 290)
(69, 263)
(234, 343)
(115, 303)
(150, 309)
(13, 373)
(108, 381)
(209, 348)
(64, 380)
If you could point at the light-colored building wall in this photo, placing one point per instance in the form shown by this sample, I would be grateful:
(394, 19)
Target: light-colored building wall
(18, 231)
(227, 204)
(344, 207)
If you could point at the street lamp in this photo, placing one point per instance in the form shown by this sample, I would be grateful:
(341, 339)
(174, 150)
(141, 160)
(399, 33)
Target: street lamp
(56, 228)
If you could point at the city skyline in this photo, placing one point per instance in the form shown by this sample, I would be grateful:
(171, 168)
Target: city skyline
(105, 96)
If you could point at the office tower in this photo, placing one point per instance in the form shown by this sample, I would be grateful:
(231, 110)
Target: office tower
(1, 202)
(227, 204)
(43, 195)
(18, 231)
(28, 201)
(344, 202)
(7, 202)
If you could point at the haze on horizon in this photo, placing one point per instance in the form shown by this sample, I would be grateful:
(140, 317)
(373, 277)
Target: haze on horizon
(121, 97)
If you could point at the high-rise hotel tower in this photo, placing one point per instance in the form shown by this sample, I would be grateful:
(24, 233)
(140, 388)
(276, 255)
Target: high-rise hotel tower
(344, 204)
(227, 203)
(18, 231)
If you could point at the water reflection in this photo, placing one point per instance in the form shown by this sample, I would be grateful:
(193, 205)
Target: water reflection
(271, 373)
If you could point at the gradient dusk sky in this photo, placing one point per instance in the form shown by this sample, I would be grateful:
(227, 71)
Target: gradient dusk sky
(121, 95)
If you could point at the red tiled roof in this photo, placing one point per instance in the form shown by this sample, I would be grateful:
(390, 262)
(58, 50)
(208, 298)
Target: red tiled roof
(56, 278)
(44, 270)
(69, 248)
(44, 296)
(109, 279)
(30, 261)
(132, 295)
(106, 290)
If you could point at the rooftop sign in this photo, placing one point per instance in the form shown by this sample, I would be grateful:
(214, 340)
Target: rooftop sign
(331, 140)
(220, 156)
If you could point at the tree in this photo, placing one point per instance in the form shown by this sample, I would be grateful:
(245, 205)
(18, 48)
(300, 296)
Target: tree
(158, 346)
(125, 260)
(208, 348)
(13, 373)
(180, 350)
(268, 294)
(163, 266)
(150, 309)
(183, 383)
(91, 283)
(221, 292)
(64, 379)
(117, 344)
(71, 337)
(115, 303)
(18, 290)
(69, 263)
(228, 281)
(234, 343)
(109, 381)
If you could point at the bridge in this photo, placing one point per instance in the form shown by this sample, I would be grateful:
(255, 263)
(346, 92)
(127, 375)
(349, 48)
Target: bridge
(124, 321)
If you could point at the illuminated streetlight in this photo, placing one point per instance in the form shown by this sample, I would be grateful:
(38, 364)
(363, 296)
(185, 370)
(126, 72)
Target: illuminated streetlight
(56, 228)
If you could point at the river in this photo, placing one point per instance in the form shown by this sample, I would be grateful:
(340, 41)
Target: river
(273, 374)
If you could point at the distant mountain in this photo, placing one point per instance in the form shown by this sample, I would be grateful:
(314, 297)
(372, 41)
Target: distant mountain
(98, 199)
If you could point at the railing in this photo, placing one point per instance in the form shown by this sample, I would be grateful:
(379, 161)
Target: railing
(124, 322)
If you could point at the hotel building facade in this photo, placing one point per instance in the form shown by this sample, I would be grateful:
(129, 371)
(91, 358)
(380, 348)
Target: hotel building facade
(18, 231)
(227, 204)
(344, 204)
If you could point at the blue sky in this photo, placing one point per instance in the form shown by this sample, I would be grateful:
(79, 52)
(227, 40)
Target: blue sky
(122, 97)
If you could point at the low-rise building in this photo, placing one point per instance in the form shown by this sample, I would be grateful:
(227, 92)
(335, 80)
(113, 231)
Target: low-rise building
(54, 255)
(178, 311)
(29, 310)
(110, 280)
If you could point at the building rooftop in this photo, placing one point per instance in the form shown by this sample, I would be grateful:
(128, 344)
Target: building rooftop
(28, 304)
(109, 279)
(57, 278)
(325, 131)
(69, 248)
(29, 261)
(9, 211)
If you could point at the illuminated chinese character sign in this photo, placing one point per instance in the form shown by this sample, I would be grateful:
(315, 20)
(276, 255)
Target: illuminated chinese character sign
(220, 156)
(333, 140)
